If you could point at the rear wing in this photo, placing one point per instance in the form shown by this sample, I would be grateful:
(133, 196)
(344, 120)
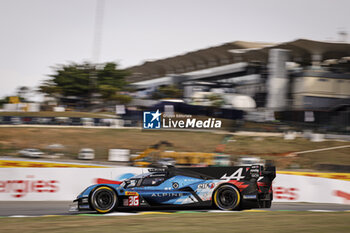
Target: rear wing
(236, 172)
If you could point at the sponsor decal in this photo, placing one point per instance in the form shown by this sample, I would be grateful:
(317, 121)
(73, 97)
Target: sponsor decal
(175, 185)
(255, 171)
(153, 120)
(166, 194)
(125, 202)
(156, 175)
(20, 188)
(237, 175)
(156, 170)
(337, 176)
(128, 193)
(133, 201)
(344, 195)
(249, 196)
(285, 193)
(206, 186)
(205, 196)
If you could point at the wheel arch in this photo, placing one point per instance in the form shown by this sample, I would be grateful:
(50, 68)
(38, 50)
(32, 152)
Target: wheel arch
(101, 185)
(98, 186)
(213, 202)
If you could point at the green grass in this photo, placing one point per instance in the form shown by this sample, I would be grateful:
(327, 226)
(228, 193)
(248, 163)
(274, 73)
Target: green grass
(275, 147)
(103, 139)
(13, 139)
(266, 222)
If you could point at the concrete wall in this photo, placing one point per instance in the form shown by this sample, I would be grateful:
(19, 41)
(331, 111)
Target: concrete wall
(307, 91)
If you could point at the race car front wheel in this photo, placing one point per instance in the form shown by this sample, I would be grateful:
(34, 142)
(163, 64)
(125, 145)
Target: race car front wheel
(103, 199)
(227, 197)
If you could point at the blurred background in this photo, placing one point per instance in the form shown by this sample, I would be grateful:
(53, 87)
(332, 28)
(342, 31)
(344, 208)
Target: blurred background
(76, 77)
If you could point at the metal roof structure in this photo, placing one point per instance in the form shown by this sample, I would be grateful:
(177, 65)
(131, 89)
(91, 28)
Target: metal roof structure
(302, 51)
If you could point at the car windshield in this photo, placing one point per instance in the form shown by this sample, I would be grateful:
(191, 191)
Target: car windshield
(152, 181)
(130, 183)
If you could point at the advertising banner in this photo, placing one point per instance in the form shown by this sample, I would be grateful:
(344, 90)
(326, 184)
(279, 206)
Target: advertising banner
(294, 188)
(55, 184)
(64, 184)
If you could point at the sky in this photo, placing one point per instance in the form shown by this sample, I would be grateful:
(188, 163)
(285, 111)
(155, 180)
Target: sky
(37, 35)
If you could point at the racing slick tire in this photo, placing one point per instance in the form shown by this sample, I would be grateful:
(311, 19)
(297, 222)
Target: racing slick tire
(103, 199)
(227, 197)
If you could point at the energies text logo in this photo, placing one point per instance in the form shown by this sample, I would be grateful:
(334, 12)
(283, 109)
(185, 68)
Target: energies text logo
(20, 188)
(151, 120)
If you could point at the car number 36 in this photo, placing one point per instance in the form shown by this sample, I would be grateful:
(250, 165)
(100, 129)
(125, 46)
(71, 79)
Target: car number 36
(133, 201)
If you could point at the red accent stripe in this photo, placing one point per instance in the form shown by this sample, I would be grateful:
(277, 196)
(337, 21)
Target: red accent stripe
(342, 194)
(262, 184)
(105, 181)
(239, 185)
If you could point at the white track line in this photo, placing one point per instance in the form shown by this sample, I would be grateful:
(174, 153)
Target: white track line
(325, 211)
(323, 149)
(222, 211)
(120, 214)
(23, 216)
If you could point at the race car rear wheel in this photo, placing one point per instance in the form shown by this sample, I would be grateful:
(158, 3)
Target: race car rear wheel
(227, 197)
(103, 199)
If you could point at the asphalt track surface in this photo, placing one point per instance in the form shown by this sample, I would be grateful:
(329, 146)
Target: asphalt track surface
(38, 208)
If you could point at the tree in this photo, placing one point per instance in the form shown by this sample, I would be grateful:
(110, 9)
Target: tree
(170, 91)
(84, 80)
(4, 100)
(69, 80)
(7, 100)
(24, 93)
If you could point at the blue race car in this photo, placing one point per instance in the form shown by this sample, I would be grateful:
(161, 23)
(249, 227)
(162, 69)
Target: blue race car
(173, 187)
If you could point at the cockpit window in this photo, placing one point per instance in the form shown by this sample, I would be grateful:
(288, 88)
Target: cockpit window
(130, 183)
(152, 181)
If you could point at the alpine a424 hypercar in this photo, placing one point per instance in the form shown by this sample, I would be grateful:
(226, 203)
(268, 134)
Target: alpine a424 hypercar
(226, 188)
